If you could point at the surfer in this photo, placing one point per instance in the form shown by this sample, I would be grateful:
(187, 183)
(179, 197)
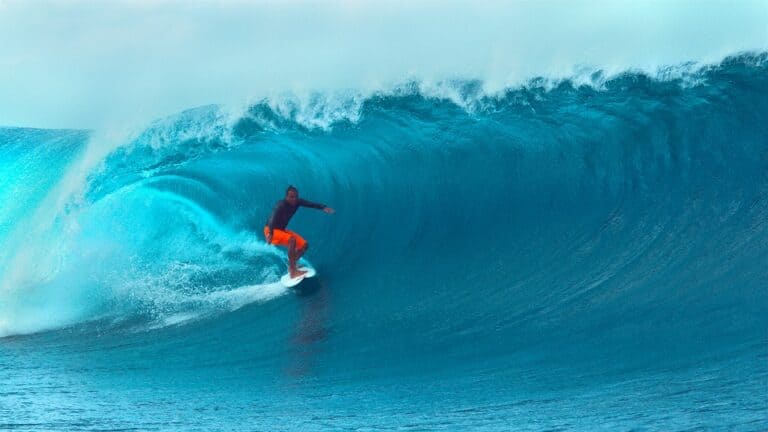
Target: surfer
(275, 231)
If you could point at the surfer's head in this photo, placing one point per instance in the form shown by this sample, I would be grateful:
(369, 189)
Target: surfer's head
(292, 195)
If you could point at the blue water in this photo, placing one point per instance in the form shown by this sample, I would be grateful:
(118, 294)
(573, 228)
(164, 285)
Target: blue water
(570, 255)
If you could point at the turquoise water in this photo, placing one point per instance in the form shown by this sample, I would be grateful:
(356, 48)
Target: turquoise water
(561, 256)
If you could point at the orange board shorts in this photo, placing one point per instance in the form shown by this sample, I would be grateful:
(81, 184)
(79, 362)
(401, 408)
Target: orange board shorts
(283, 237)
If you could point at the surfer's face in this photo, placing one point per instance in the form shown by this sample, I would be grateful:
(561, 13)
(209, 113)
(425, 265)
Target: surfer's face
(292, 197)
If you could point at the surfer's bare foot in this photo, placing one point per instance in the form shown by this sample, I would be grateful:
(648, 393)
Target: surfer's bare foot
(296, 273)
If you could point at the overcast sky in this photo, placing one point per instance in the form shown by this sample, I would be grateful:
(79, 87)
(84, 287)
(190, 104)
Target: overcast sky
(82, 64)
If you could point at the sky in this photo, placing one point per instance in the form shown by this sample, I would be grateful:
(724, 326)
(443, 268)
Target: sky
(85, 64)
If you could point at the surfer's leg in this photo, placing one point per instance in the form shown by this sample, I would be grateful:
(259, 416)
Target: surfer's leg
(293, 242)
(293, 256)
(300, 246)
(301, 250)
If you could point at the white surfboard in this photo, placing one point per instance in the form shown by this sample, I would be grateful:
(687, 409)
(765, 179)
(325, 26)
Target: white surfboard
(288, 281)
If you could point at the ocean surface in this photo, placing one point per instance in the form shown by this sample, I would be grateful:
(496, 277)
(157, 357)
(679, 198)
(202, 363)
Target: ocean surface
(584, 254)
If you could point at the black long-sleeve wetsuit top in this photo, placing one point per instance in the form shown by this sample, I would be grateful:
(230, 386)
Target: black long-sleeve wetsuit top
(283, 212)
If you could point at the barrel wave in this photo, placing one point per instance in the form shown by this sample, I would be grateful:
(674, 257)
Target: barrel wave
(587, 253)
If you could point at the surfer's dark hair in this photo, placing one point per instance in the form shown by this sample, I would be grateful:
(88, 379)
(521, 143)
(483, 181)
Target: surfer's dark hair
(291, 188)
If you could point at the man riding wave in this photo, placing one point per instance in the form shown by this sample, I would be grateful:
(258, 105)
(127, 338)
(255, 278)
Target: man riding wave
(276, 233)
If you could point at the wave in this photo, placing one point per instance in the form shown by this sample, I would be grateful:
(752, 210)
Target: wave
(626, 206)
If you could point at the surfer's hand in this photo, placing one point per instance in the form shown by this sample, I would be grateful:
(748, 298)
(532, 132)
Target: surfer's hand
(329, 210)
(269, 238)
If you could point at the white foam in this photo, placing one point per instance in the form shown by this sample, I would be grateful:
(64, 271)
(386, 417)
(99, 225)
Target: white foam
(38, 248)
(236, 298)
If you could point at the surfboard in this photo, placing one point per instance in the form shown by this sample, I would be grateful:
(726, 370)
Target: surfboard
(288, 281)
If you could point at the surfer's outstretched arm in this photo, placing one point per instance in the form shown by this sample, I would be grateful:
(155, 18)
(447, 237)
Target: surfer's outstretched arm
(310, 204)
